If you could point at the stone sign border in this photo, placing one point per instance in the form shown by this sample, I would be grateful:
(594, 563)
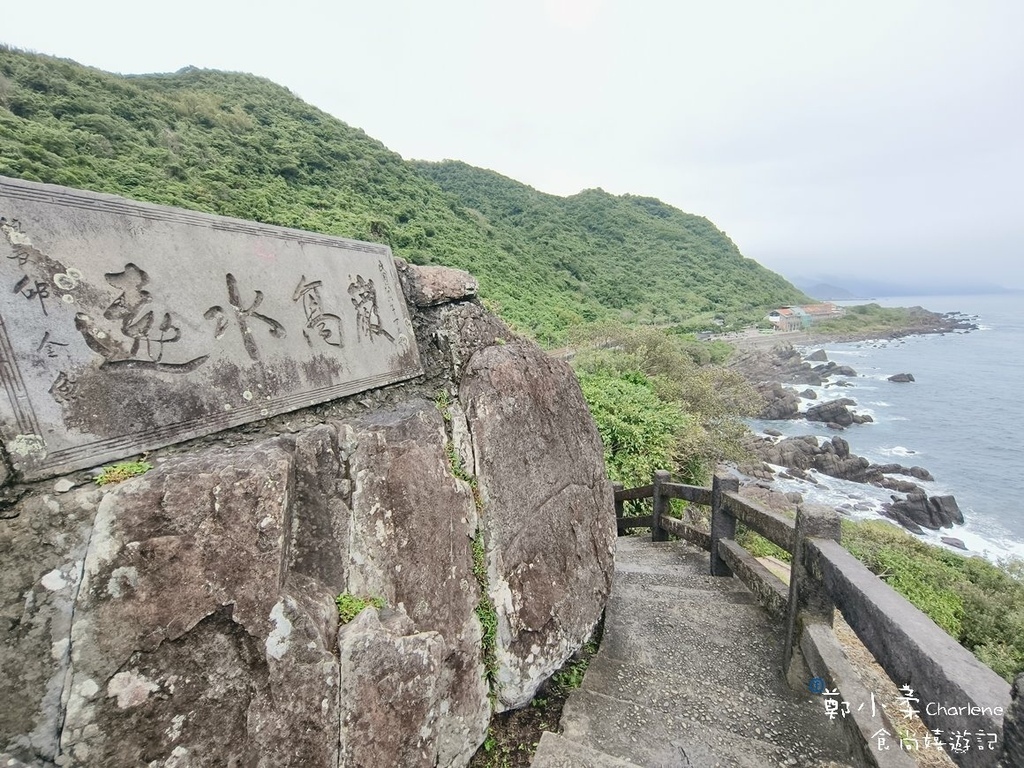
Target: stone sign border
(104, 450)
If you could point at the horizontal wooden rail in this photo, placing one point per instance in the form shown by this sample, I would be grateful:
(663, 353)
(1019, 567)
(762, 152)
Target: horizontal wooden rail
(944, 675)
(778, 529)
(634, 494)
(686, 532)
(692, 493)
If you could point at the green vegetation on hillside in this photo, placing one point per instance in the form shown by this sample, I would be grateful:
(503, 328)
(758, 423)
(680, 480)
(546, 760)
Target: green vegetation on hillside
(978, 603)
(662, 402)
(647, 260)
(239, 145)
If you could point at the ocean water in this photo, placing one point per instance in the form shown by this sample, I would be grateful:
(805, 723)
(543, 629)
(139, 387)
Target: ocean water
(961, 419)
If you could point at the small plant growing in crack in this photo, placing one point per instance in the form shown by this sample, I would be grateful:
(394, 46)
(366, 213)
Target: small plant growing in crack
(118, 473)
(350, 606)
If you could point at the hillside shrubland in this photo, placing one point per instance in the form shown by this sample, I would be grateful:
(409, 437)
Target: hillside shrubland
(242, 146)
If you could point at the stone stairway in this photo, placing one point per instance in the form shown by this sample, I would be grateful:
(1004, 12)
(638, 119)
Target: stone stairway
(688, 676)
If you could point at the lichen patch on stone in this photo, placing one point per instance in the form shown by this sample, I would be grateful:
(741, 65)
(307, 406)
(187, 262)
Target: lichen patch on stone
(130, 688)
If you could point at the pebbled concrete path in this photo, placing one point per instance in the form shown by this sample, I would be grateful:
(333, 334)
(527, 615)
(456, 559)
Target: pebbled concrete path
(688, 676)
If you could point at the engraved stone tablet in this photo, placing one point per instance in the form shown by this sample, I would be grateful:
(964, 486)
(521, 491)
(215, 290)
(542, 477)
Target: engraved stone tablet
(126, 326)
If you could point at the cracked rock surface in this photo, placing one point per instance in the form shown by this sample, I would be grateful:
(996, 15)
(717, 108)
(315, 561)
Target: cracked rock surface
(187, 617)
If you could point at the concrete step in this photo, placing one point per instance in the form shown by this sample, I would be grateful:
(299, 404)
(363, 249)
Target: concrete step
(555, 751)
(690, 670)
(745, 705)
(656, 739)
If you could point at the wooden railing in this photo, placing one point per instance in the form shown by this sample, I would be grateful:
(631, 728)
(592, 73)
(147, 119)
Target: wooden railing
(956, 693)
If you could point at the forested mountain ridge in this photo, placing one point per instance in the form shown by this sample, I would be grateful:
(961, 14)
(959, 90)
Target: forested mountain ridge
(239, 145)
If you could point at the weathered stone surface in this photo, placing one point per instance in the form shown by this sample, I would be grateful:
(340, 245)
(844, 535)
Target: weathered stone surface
(426, 286)
(818, 356)
(902, 378)
(389, 680)
(204, 626)
(840, 370)
(187, 616)
(42, 549)
(411, 533)
(781, 363)
(186, 640)
(548, 515)
(836, 412)
(780, 402)
(133, 326)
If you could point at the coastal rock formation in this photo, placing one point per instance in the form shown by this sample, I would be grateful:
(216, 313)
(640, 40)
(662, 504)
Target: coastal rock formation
(187, 616)
(780, 402)
(833, 458)
(782, 363)
(933, 512)
(834, 369)
(836, 412)
(901, 378)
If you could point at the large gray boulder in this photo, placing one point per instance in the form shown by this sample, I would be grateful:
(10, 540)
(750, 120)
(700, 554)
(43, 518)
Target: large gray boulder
(537, 464)
(188, 617)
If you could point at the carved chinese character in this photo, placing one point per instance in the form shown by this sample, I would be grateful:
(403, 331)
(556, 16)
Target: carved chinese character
(243, 314)
(51, 345)
(33, 289)
(63, 387)
(326, 326)
(364, 299)
(147, 336)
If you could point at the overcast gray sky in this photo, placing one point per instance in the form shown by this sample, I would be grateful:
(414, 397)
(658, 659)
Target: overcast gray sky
(823, 136)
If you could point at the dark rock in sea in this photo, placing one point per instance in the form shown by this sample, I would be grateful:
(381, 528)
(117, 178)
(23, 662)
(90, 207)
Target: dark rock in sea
(834, 426)
(780, 403)
(903, 486)
(834, 369)
(832, 457)
(935, 512)
(947, 508)
(840, 447)
(902, 378)
(809, 394)
(833, 412)
(953, 542)
(818, 356)
(773, 432)
(843, 383)
(898, 516)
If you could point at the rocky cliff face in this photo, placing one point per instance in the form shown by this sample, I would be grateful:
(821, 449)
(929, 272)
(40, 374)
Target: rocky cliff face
(187, 616)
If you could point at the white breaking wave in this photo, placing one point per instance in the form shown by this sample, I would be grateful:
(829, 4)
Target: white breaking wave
(898, 450)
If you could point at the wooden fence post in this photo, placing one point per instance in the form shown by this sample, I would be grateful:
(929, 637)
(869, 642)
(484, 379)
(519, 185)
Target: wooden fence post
(661, 504)
(808, 598)
(723, 525)
(620, 510)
